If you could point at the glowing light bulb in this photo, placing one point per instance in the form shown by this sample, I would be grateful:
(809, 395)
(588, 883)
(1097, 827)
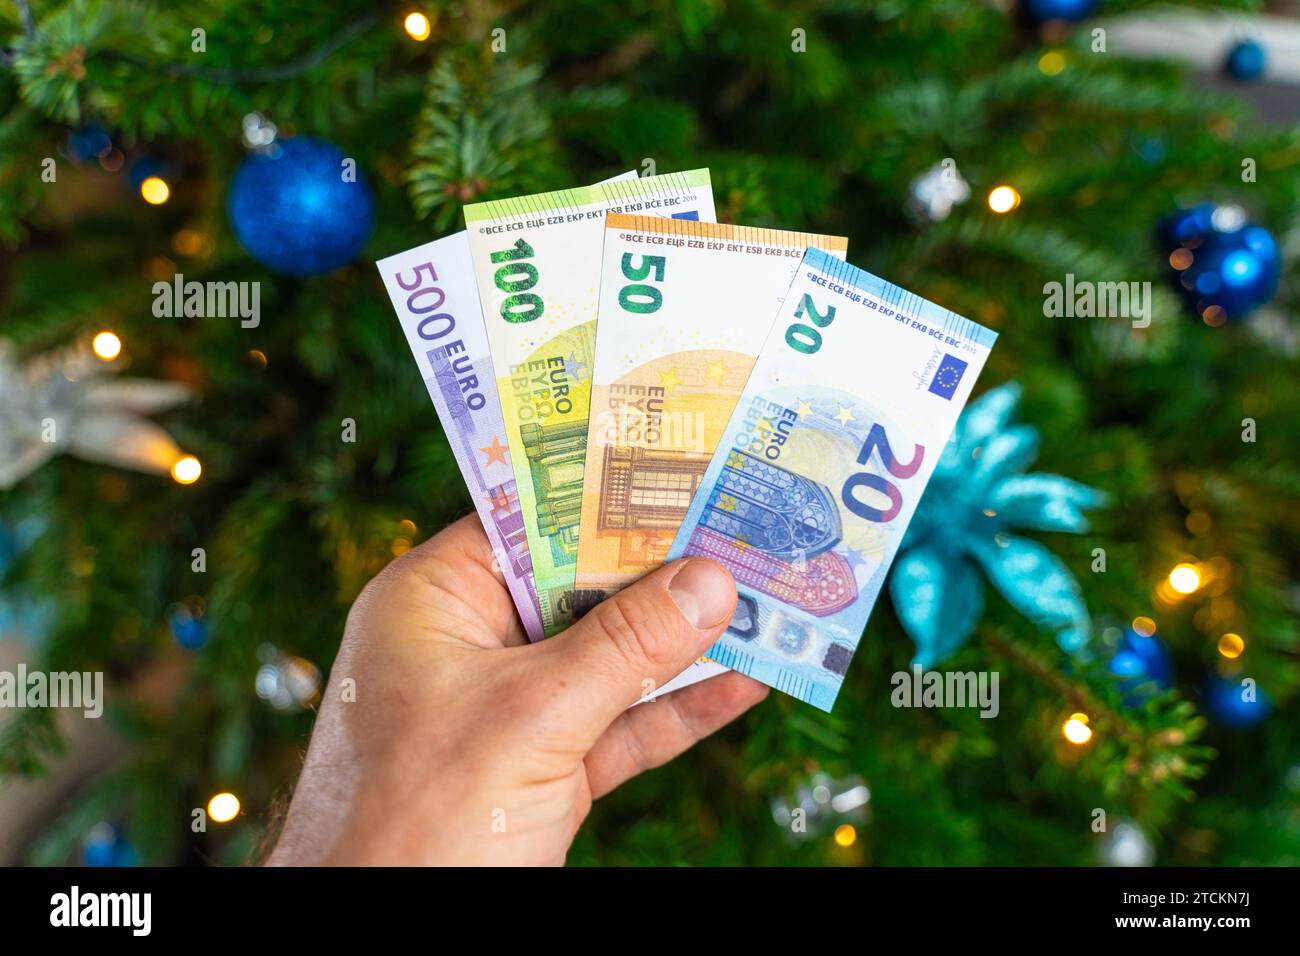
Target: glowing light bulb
(223, 807)
(186, 471)
(155, 191)
(1003, 199)
(1076, 729)
(1051, 63)
(1231, 645)
(846, 834)
(1144, 626)
(1185, 578)
(417, 26)
(107, 346)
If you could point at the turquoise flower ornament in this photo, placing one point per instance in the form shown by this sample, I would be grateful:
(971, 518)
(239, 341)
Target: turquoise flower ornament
(977, 497)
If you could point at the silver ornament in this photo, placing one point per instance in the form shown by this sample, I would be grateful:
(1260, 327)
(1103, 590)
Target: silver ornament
(1127, 845)
(932, 194)
(64, 402)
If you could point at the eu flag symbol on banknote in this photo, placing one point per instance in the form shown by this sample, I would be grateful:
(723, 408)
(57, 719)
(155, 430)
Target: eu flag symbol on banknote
(948, 377)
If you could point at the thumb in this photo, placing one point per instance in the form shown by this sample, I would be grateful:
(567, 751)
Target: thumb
(650, 631)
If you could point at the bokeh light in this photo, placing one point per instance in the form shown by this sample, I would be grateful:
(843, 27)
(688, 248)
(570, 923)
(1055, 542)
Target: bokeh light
(1051, 63)
(1185, 578)
(417, 26)
(1003, 199)
(1231, 645)
(186, 471)
(223, 807)
(1076, 729)
(107, 346)
(155, 191)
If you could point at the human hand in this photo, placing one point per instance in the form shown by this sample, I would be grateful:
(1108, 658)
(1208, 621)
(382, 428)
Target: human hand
(465, 744)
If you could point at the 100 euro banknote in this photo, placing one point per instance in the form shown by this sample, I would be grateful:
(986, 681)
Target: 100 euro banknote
(684, 309)
(537, 264)
(806, 499)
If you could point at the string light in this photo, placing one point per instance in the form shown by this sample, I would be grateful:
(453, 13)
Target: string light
(155, 191)
(1003, 199)
(107, 346)
(417, 27)
(1144, 626)
(186, 471)
(1051, 63)
(1076, 729)
(1231, 645)
(223, 807)
(1214, 316)
(846, 834)
(1185, 578)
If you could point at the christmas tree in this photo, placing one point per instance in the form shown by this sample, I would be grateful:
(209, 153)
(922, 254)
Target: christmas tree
(1139, 610)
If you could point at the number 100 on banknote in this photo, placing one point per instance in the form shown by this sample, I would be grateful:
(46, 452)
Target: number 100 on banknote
(821, 465)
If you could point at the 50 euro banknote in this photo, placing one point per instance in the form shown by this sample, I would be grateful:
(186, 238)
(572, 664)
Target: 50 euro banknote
(537, 265)
(434, 294)
(807, 496)
(684, 309)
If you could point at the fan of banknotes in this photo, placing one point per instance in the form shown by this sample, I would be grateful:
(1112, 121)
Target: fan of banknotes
(625, 381)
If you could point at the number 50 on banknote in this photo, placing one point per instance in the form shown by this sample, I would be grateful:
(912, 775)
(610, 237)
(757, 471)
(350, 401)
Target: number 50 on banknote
(821, 466)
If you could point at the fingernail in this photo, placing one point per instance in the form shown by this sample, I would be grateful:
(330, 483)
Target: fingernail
(704, 592)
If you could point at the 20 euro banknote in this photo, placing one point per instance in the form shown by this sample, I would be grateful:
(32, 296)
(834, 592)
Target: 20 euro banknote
(435, 297)
(537, 263)
(806, 499)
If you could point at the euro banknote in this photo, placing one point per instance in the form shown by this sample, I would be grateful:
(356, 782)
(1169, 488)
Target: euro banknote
(807, 496)
(432, 289)
(684, 308)
(435, 297)
(537, 264)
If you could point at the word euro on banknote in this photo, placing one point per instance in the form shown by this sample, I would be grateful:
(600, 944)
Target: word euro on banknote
(433, 292)
(537, 263)
(820, 468)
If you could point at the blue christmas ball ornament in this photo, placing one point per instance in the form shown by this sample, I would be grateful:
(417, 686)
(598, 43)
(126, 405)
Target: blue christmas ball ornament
(1041, 11)
(1246, 61)
(299, 210)
(187, 625)
(1187, 226)
(1224, 266)
(1142, 664)
(104, 845)
(1236, 702)
(89, 142)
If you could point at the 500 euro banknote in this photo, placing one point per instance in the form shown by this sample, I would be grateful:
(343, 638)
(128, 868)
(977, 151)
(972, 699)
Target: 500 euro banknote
(432, 289)
(684, 309)
(537, 263)
(820, 468)
(434, 294)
